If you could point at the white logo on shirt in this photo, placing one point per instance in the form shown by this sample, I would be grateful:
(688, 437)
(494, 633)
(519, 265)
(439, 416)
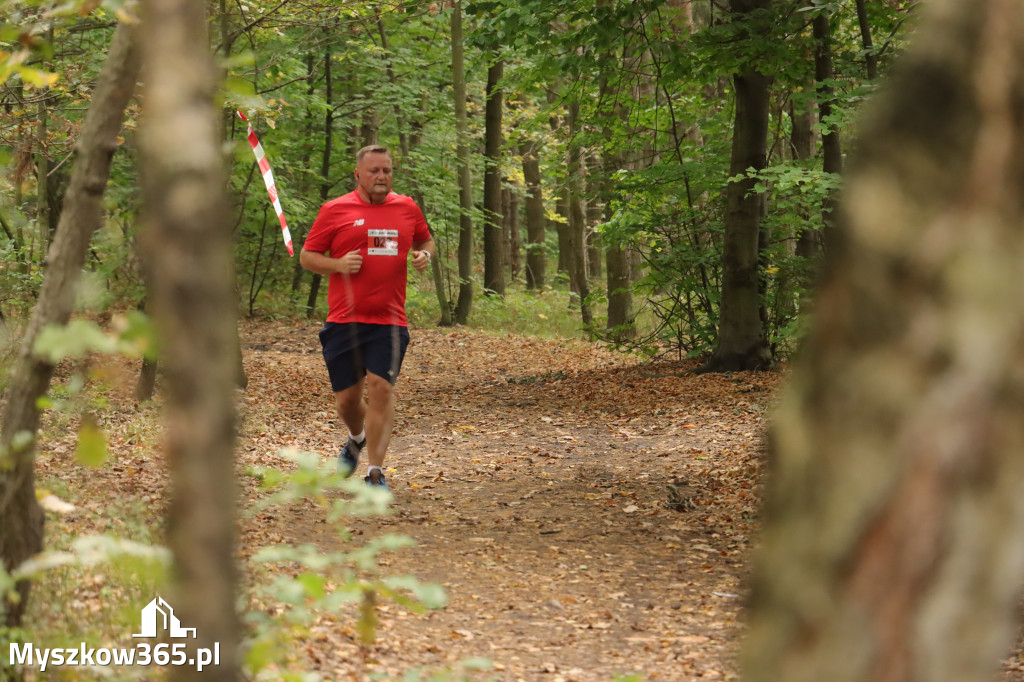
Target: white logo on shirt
(359, 222)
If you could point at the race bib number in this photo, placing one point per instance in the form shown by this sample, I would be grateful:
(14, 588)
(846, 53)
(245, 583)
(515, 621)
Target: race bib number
(382, 243)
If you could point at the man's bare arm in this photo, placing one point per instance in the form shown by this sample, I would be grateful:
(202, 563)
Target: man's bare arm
(321, 264)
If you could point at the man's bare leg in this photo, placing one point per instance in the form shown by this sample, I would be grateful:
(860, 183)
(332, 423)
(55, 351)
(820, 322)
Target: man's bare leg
(351, 407)
(379, 417)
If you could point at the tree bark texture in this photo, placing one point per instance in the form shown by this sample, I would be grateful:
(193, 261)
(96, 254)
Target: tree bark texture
(512, 246)
(536, 258)
(188, 246)
(831, 151)
(21, 520)
(808, 241)
(894, 546)
(577, 223)
(742, 344)
(870, 58)
(494, 271)
(325, 169)
(465, 300)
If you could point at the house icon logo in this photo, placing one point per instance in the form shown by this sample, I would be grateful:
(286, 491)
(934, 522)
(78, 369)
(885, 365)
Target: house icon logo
(158, 611)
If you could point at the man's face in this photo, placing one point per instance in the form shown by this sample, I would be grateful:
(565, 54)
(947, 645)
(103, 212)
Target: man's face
(373, 175)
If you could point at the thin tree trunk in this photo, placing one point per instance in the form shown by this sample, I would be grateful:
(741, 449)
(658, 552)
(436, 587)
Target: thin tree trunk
(808, 241)
(42, 170)
(562, 228)
(494, 271)
(594, 213)
(895, 510)
(188, 242)
(865, 31)
(325, 168)
(536, 259)
(309, 126)
(20, 515)
(742, 343)
(465, 301)
(577, 223)
(832, 154)
(403, 135)
(513, 248)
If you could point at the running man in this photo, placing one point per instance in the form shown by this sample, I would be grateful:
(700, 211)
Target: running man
(362, 241)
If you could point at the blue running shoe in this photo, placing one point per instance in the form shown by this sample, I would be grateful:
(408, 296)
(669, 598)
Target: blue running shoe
(376, 478)
(348, 458)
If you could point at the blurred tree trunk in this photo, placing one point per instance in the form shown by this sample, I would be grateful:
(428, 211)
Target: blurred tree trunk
(188, 245)
(21, 519)
(895, 508)
(536, 258)
(465, 300)
(742, 343)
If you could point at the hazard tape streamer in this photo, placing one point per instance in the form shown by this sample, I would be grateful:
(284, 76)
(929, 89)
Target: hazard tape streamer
(268, 179)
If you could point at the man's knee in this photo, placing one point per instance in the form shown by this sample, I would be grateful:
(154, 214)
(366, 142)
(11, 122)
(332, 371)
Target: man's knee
(378, 389)
(349, 398)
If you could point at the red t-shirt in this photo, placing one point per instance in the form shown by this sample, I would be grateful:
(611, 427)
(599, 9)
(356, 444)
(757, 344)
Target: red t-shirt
(384, 235)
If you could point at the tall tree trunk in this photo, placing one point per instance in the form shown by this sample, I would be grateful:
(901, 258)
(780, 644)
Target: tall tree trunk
(494, 271)
(895, 510)
(808, 241)
(562, 228)
(594, 213)
(513, 253)
(865, 31)
(188, 241)
(742, 343)
(325, 168)
(370, 131)
(536, 259)
(42, 173)
(309, 129)
(403, 135)
(465, 301)
(20, 516)
(621, 324)
(577, 223)
(832, 154)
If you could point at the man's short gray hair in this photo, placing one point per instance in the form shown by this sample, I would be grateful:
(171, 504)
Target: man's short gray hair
(371, 149)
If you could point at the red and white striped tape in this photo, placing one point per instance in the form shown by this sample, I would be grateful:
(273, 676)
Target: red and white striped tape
(268, 180)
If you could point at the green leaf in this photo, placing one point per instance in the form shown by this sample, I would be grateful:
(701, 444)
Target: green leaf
(74, 340)
(92, 444)
(313, 584)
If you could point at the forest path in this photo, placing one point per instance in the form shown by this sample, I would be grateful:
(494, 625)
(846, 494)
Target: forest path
(534, 476)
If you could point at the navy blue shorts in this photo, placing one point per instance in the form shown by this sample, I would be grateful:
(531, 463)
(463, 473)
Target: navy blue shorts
(352, 349)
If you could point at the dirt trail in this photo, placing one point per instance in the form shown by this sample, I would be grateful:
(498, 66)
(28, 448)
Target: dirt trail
(538, 478)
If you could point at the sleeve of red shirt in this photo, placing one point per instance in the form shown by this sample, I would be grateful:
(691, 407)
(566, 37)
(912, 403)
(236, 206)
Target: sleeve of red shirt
(322, 232)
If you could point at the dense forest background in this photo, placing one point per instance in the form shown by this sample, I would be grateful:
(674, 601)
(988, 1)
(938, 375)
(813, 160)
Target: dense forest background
(669, 166)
